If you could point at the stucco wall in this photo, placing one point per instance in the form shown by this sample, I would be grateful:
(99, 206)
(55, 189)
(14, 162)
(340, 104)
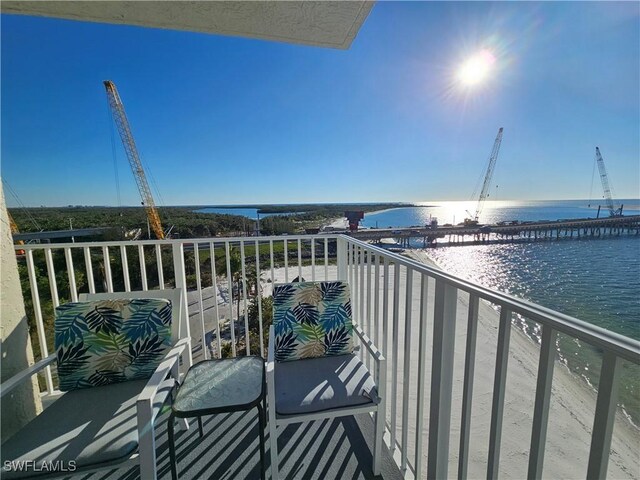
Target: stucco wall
(18, 407)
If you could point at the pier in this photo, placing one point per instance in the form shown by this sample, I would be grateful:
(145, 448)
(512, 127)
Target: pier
(508, 232)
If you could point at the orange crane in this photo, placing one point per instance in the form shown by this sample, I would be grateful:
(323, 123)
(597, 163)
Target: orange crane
(14, 230)
(120, 119)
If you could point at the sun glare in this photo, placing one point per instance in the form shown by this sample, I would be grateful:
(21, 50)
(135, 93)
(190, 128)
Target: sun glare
(476, 68)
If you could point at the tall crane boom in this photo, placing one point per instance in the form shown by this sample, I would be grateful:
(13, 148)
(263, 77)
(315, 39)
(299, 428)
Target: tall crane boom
(120, 118)
(484, 193)
(606, 188)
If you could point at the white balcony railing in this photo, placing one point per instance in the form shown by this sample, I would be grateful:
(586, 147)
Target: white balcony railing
(396, 300)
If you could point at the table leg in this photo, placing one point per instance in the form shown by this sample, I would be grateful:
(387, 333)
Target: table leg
(261, 419)
(200, 427)
(172, 448)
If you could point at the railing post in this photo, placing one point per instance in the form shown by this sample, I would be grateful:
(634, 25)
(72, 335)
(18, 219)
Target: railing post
(444, 329)
(341, 252)
(541, 407)
(181, 282)
(604, 417)
(499, 386)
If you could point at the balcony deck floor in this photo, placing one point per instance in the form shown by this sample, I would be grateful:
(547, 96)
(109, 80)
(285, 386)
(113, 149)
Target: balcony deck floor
(324, 449)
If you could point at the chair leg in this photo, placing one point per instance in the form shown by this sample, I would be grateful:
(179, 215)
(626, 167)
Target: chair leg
(377, 441)
(201, 430)
(172, 448)
(273, 442)
(261, 421)
(146, 440)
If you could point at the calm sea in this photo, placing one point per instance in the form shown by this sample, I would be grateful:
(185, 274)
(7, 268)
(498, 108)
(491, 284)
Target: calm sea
(597, 281)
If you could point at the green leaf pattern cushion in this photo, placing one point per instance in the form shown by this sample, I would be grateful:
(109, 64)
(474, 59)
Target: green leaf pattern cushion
(110, 341)
(312, 319)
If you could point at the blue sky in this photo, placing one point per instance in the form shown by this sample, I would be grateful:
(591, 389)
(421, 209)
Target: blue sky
(222, 120)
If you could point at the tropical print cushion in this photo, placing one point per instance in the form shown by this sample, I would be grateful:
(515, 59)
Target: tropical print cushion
(312, 319)
(110, 341)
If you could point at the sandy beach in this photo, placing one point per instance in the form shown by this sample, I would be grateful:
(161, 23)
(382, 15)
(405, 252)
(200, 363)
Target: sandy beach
(572, 402)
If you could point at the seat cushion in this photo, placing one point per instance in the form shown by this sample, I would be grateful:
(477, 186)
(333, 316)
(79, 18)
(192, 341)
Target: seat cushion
(320, 384)
(90, 426)
(312, 319)
(110, 341)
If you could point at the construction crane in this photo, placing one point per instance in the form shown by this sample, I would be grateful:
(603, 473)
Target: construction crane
(120, 118)
(606, 188)
(14, 230)
(484, 193)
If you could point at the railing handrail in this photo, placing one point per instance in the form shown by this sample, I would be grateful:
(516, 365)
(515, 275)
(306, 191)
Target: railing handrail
(624, 347)
(118, 243)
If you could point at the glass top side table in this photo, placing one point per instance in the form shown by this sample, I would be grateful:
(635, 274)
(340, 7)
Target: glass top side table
(219, 386)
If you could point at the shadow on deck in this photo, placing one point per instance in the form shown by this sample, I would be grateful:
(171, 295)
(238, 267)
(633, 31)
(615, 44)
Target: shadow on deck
(325, 449)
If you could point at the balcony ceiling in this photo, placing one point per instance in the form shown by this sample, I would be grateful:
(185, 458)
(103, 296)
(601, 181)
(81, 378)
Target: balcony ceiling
(325, 24)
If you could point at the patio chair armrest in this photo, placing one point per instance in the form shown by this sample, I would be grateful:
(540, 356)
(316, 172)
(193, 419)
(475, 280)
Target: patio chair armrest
(17, 379)
(166, 367)
(368, 345)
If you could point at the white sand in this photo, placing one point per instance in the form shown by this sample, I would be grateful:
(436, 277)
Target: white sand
(572, 402)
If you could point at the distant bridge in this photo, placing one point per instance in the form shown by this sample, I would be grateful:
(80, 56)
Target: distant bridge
(508, 231)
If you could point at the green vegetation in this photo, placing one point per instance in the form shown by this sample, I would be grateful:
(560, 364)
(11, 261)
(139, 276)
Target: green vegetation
(185, 222)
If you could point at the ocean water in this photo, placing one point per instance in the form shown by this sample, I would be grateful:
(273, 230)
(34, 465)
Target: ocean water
(493, 212)
(251, 213)
(595, 280)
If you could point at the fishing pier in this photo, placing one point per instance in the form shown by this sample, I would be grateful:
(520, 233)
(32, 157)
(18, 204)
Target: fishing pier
(508, 232)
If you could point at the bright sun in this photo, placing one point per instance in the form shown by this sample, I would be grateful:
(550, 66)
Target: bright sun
(476, 68)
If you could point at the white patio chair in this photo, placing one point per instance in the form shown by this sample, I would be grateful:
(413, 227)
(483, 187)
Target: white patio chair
(101, 427)
(330, 380)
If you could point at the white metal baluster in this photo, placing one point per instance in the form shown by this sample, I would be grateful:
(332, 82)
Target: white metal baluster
(37, 310)
(125, 268)
(230, 296)
(368, 315)
(352, 267)
(604, 417)
(107, 268)
(52, 277)
(299, 259)
(444, 329)
(259, 293)
(180, 276)
(467, 393)
(394, 352)
(313, 259)
(214, 278)
(422, 368)
(159, 264)
(499, 384)
(361, 285)
(203, 331)
(385, 309)
(73, 290)
(143, 268)
(326, 259)
(244, 298)
(89, 268)
(376, 304)
(406, 379)
(273, 278)
(355, 301)
(286, 261)
(541, 408)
